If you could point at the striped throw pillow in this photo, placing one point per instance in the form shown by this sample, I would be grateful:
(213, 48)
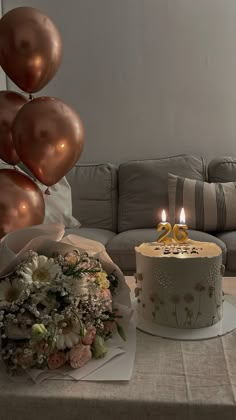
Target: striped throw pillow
(208, 206)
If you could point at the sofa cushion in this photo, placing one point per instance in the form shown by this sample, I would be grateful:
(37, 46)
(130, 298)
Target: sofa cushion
(229, 238)
(121, 247)
(208, 206)
(143, 188)
(99, 235)
(58, 204)
(94, 195)
(222, 170)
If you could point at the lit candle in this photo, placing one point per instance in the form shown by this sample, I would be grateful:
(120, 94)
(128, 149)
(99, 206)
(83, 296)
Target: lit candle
(179, 230)
(165, 227)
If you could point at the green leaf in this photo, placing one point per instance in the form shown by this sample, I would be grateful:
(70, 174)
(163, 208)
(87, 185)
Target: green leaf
(121, 332)
(99, 347)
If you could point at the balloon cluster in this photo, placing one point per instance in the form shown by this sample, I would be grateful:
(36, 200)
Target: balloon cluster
(44, 133)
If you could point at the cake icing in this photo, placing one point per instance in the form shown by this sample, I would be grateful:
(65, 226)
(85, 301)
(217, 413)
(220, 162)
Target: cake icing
(179, 285)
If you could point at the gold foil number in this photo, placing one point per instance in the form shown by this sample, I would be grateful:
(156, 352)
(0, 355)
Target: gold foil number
(166, 228)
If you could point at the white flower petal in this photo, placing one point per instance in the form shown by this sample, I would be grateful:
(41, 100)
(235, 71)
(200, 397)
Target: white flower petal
(16, 283)
(42, 260)
(60, 342)
(69, 338)
(28, 269)
(27, 277)
(55, 269)
(68, 341)
(34, 264)
(74, 338)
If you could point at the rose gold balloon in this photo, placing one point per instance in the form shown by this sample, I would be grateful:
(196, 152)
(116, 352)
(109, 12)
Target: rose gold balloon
(30, 48)
(48, 136)
(21, 202)
(10, 104)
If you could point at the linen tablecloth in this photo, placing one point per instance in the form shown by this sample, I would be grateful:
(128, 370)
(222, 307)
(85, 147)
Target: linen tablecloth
(172, 380)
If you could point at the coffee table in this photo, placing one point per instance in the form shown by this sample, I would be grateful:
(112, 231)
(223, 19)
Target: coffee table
(172, 380)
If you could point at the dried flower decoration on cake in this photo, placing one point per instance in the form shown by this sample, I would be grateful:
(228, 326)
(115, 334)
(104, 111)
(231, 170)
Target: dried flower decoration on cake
(188, 298)
(199, 287)
(138, 276)
(56, 311)
(211, 290)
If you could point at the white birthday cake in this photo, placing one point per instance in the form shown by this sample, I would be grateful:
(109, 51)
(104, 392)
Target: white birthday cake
(179, 285)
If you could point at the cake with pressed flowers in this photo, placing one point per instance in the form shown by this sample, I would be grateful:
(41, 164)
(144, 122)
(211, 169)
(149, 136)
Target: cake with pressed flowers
(179, 285)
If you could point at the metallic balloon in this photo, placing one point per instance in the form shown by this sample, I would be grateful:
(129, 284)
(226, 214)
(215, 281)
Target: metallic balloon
(21, 202)
(48, 136)
(10, 104)
(30, 48)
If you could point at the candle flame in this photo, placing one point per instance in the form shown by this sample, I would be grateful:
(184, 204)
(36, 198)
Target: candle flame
(182, 216)
(163, 216)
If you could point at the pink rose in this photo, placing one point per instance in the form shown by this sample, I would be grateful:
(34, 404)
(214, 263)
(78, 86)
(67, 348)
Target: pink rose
(56, 360)
(79, 355)
(89, 336)
(106, 294)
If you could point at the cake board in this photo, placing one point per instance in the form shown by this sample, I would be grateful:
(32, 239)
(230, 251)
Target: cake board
(226, 325)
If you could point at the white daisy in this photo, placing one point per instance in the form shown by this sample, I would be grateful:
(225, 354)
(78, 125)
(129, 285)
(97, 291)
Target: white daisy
(40, 269)
(69, 334)
(45, 303)
(11, 292)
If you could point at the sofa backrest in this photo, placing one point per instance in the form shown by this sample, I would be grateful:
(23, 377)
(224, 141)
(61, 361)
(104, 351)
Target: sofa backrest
(222, 170)
(94, 195)
(143, 188)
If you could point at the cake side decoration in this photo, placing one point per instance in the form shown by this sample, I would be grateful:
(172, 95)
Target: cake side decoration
(181, 286)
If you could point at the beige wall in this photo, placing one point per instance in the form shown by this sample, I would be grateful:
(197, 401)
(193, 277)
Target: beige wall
(149, 77)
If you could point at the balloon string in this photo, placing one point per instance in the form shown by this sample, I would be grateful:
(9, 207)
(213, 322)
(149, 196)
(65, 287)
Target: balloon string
(14, 167)
(47, 192)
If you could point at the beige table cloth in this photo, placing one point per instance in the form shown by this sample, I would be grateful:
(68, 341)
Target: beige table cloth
(172, 380)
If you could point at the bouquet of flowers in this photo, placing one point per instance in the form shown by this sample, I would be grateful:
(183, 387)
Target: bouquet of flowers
(56, 310)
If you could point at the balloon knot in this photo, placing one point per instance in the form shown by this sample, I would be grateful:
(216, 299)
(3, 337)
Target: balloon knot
(47, 192)
(31, 96)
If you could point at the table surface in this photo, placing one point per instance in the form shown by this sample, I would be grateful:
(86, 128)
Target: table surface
(172, 380)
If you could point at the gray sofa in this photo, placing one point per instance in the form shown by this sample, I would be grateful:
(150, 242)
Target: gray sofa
(118, 205)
